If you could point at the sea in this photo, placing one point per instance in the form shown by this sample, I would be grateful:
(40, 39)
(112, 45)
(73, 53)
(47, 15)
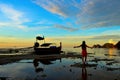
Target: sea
(102, 64)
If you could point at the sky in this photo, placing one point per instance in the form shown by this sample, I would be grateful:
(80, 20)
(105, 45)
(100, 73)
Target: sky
(66, 21)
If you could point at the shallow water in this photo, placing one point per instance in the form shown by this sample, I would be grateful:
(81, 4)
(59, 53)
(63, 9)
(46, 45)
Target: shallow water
(101, 64)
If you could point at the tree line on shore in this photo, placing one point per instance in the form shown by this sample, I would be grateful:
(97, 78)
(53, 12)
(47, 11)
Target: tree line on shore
(108, 45)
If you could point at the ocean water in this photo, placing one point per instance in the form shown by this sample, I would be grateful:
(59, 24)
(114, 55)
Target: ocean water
(101, 64)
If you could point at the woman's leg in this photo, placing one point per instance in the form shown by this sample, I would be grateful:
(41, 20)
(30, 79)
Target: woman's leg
(83, 59)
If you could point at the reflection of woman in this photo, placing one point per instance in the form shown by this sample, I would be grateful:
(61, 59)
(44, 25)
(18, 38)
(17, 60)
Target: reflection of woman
(84, 72)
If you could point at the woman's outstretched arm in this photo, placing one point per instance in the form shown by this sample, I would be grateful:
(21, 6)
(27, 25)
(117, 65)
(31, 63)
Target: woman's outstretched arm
(89, 47)
(76, 46)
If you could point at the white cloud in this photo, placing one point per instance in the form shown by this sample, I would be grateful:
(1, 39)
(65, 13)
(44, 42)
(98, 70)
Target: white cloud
(88, 13)
(60, 7)
(107, 37)
(4, 24)
(111, 32)
(44, 22)
(98, 13)
(39, 28)
(10, 12)
(65, 28)
(16, 17)
(14, 25)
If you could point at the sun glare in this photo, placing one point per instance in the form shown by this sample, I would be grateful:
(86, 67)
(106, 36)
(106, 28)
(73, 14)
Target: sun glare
(111, 41)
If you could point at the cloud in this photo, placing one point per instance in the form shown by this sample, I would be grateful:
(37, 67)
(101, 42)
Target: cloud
(46, 22)
(59, 7)
(107, 37)
(4, 24)
(97, 13)
(111, 32)
(10, 12)
(88, 13)
(91, 40)
(65, 28)
(16, 17)
(14, 25)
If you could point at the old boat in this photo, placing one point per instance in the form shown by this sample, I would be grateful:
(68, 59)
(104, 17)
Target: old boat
(46, 48)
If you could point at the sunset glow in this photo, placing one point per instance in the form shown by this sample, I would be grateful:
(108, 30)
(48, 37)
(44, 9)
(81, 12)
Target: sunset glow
(111, 41)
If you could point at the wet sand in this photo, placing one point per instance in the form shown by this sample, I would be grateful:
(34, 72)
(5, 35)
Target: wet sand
(4, 59)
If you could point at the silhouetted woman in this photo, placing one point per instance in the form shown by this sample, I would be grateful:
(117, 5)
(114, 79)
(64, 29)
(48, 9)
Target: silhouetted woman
(84, 51)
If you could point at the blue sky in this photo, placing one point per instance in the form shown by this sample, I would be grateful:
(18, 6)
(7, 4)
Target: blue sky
(64, 19)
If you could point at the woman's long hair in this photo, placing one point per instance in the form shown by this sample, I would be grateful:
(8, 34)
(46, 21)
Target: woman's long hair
(83, 45)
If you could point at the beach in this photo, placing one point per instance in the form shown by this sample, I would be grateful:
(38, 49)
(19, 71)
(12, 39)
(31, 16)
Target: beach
(67, 65)
(59, 39)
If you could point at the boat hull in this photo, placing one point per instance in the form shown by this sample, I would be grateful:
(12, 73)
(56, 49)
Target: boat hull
(44, 51)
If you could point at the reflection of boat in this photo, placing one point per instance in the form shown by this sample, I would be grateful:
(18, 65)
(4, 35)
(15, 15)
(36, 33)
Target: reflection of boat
(46, 48)
(44, 62)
